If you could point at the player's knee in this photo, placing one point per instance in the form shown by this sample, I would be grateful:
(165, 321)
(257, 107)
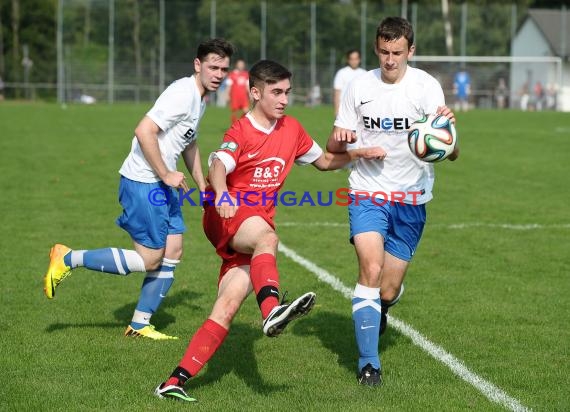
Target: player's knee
(270, 239)
(152, 266)
(152, 263)
(389, 293)
(371, 271)
(174, 254)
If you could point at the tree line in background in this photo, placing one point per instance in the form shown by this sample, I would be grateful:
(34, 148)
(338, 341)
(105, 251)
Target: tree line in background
(28, 49)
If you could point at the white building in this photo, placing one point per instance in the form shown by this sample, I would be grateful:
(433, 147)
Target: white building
(543, 33)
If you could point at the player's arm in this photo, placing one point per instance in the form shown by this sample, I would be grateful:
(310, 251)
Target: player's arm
(332, 161)
(447, 112)
(226, 206)
(147, 135)
(191, 156)
(339, 138)
(336, 100)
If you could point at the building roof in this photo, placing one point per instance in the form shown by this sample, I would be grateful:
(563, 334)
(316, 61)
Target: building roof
(551, 23)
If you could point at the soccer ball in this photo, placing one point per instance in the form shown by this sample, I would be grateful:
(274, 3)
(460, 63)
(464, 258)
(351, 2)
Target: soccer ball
(432, 138)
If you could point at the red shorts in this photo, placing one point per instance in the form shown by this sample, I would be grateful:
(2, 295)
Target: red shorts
(220, 232)
(239, 103)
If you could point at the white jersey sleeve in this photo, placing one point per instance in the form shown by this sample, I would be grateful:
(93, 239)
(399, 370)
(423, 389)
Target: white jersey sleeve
(311, 156)
(177, 112)
(170, 107)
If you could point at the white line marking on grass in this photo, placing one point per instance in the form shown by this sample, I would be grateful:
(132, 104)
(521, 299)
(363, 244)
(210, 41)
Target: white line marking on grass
(489, 390)
(509, 226)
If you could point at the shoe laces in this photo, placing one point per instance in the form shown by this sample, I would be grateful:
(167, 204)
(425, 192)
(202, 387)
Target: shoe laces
(63, 276)
(283, 300)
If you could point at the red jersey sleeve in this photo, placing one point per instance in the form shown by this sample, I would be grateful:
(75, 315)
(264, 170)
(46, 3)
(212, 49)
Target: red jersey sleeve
(230, 149)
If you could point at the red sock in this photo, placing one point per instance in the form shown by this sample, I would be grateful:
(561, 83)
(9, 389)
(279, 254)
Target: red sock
(265, 281)
(202, 346)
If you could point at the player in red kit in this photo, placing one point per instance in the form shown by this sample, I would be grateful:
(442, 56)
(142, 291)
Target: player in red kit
(245, 174)
(237, 82)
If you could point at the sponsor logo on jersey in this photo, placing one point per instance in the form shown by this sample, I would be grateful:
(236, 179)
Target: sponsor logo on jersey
(386, 123)
(231, 146)
(267, 171)
(189, 135)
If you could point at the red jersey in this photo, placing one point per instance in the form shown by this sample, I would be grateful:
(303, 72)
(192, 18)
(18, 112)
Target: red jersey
(238, 84)
(258, 160)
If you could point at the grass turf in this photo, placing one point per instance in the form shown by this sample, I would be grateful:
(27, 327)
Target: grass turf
(495, 296)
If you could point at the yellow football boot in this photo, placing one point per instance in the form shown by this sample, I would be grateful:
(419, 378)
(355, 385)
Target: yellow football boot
(57, 270)
(147, 332)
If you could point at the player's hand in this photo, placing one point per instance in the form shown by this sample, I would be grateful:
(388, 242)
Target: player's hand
(226, 205)
(454, 155)
(447, 112)
(176, 180)
(369, 153)
(344, 135)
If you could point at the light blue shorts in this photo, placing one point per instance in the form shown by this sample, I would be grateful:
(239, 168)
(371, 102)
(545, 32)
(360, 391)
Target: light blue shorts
(401, 225)
(147, 222)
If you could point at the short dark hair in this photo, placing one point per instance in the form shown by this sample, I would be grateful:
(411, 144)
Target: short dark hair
(267, 72)
(218, 46)
(348, 53)
(392, 28)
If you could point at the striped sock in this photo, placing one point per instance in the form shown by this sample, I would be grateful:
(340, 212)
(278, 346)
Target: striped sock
(108, 260)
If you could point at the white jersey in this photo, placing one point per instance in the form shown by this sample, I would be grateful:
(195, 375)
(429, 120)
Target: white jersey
(381, 113)
(177, 112)
(344, 76)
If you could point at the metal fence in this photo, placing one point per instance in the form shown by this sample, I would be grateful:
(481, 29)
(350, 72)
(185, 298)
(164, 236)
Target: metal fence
(97, 56)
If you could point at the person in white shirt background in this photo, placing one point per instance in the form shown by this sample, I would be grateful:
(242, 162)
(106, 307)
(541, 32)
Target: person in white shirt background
(345, 75)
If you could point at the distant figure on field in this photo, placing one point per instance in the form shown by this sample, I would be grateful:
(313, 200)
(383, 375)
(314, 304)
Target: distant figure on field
(462, 90)
(237, 83)
(501, 93)
(345, 75)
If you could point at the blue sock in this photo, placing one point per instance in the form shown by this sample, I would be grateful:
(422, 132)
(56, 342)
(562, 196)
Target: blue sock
(366, 316)
(108, 260)
(154, 289)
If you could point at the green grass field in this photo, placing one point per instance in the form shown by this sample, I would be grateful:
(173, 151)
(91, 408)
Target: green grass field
(489, 283)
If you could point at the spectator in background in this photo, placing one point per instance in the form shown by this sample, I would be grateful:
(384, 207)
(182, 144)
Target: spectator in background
(501, 93)
(237, 83)
(551, 96)
(524, 96)
(538, 96)
(1, 89)
(314, 98)
(462, 90)
(345, 75)
(222, 94)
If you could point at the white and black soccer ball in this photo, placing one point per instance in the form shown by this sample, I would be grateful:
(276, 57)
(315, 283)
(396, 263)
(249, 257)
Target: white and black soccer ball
(432, 138)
